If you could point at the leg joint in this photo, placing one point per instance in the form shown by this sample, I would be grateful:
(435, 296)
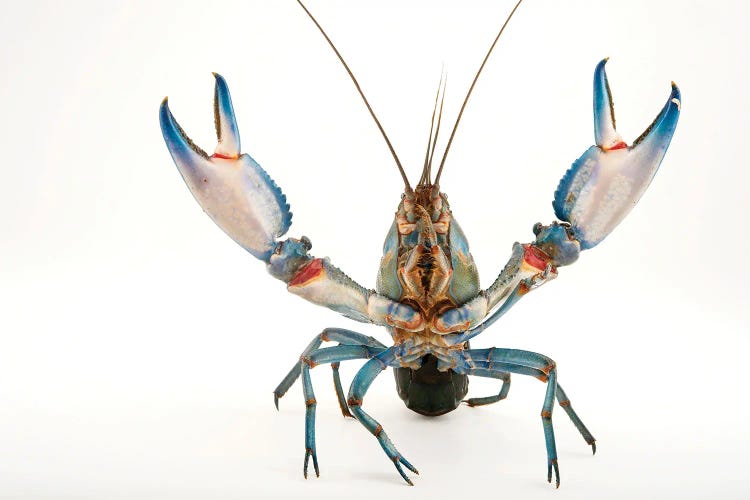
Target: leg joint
(352, 401)
(378, 430)
(310, 402)
(324, 335)
(383, 366)
(490, 361)
(309, 362)
(546, 414)
(565, 403)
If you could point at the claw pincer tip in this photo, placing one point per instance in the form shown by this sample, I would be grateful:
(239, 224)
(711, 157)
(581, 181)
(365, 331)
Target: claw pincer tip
(606, 182)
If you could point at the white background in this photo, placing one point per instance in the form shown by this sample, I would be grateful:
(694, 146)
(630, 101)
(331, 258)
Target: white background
(139, 345)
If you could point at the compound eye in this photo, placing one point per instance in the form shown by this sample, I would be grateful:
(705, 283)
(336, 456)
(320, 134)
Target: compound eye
(537, 228)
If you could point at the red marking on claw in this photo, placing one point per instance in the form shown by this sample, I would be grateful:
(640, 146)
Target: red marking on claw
(308, 273)
(535, 257)
(619, 145)
(223, 157)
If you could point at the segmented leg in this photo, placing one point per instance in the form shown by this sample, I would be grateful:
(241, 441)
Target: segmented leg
(340, 390)
(563, 400)
(488, 400)
(320, 356)
(359, 387)
(343, 337)
(525, 363)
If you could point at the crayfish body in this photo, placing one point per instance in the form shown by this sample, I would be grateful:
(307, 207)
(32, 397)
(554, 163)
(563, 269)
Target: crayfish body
(428, 294)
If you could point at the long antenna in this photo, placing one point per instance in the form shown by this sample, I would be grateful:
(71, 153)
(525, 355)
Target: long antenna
(369, 108)
(476, 77)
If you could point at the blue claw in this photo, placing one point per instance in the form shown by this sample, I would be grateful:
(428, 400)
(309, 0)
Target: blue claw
(604, 110)
(606, 182)
(226, 124)
(182, 149)
(232, 188)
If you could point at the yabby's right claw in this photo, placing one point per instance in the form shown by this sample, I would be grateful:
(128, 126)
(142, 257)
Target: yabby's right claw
(231, 187)
(604, 184)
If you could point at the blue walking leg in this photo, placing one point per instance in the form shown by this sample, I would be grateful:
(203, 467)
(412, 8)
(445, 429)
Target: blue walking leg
(490, 361)
(357, 391)
(563, 400)
(525, 363)
(319, 356)
(340, 390)
(549, 431)
(310, 404)
(488, 400)
(507, 360)
(340, 335)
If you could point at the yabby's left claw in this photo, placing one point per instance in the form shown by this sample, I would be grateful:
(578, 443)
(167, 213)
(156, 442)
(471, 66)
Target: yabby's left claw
(231, 187)
(604, 184)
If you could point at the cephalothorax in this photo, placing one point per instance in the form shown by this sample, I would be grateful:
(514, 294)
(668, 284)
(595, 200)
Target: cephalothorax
(428, 294)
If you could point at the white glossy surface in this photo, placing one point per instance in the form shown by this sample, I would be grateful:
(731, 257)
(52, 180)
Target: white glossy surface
(238, 198)
(330, 290)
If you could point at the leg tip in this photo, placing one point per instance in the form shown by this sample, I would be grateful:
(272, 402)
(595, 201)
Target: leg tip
(310, 453)
(408, 465)
(593, 448)
(276, 401)
(557, 473)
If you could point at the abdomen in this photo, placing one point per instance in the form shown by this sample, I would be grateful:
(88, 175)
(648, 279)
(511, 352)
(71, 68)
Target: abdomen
(428, 391)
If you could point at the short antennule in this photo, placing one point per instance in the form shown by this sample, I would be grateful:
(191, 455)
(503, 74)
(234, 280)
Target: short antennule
(437, 130)
(468, 94)
(408, 188)
(425, 179)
